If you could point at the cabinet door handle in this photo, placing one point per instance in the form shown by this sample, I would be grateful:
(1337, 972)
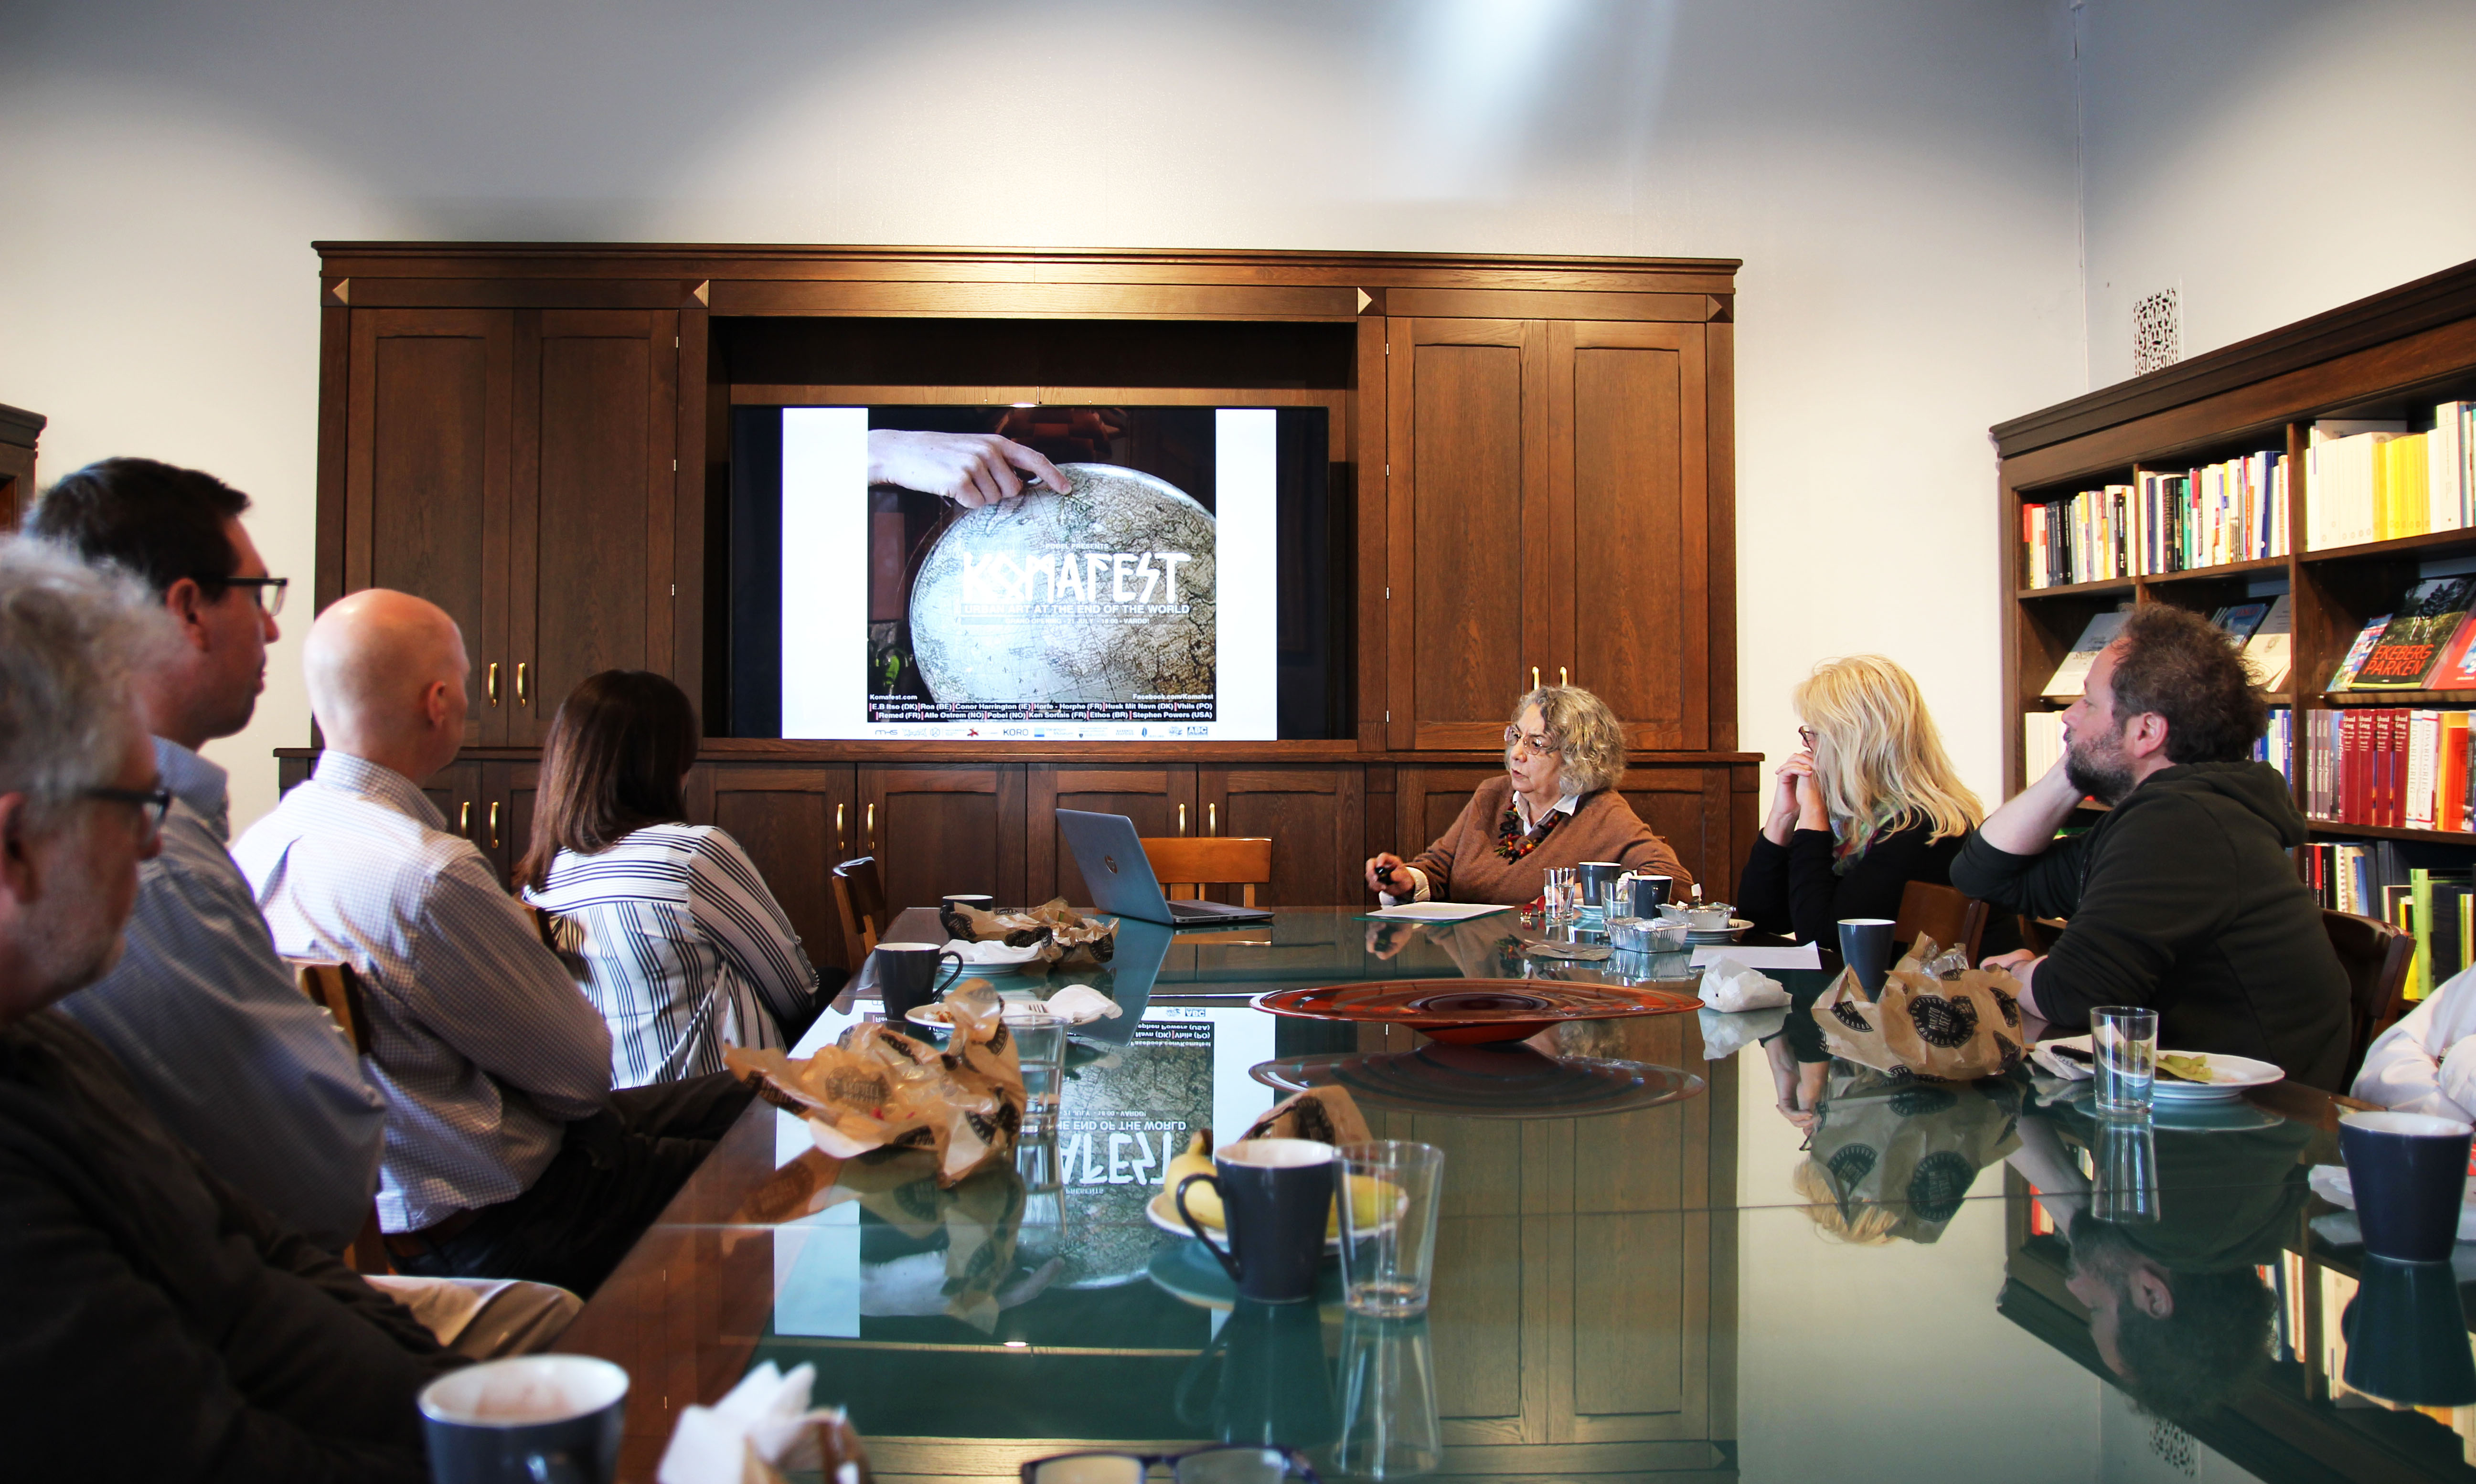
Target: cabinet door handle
(1212, 819)
(524, 692)
(1534, 677)
(494, 826)
(1182, 819)
(868, 820)
(520, 682)
(491, 683)
(842, 841)
(464, 818)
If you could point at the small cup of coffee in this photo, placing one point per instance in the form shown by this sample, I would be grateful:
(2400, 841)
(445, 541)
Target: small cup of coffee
(906, 974)
(525, 1419)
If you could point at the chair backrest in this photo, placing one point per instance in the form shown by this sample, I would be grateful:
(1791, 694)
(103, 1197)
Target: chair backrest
(2375, 956)
(336, 989)
(860, 897)
(1186, 864)
(1946, 914)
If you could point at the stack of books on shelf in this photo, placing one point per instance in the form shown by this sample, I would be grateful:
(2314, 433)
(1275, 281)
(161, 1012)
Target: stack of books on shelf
(2204, 517)
(2437, 909)
(2374, 480)
(2261, 630)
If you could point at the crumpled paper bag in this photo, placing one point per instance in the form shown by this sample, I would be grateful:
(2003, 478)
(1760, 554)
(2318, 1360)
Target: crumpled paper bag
(878, 1088)
(1064, 936)
(1729, 985)
(762, 1430)
(1327, 1115)
(1947, 1030)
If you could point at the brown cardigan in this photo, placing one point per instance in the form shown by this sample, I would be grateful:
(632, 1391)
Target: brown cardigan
(1462, 866)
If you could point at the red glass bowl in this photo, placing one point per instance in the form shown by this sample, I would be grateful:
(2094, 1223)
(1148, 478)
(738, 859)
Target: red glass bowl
(1470, 1012)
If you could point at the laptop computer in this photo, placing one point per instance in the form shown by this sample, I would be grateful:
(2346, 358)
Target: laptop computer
(1111, 856)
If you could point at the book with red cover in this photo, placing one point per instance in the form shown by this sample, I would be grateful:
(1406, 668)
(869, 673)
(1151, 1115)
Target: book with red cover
(2407, 650)
(2457, 670)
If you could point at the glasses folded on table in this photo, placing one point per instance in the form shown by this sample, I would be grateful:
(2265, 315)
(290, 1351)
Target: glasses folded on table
(1203, 1466)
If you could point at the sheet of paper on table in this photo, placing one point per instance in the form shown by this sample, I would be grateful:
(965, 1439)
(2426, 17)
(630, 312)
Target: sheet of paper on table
(1435, 911)
(1805, 955)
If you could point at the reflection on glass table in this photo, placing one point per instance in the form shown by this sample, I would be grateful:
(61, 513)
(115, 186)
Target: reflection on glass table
(1687, 1287)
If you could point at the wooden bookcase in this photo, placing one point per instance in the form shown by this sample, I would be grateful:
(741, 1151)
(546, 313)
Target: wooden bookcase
(2392, 356)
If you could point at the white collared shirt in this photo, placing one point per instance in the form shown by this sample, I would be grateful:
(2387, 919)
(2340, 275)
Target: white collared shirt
(485, 1047)
(1521, 810)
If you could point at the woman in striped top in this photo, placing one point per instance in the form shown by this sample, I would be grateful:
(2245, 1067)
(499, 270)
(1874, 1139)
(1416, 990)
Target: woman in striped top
(684, 948)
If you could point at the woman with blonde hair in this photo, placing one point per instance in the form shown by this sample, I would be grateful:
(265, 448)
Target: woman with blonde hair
(1554, 805)
(1867, 803)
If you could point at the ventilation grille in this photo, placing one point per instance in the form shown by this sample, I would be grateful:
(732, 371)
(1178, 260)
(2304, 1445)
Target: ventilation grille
(2172, 1444)
(2157, 332)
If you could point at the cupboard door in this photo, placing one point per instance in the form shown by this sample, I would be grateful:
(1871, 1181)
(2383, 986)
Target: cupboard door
(506, 824)
(1467, 435)
(935, 831)
(1631, 495)
(1313, 816)
(430, 429)
(796, 824)
(1688, 808)
(595, 473)
(461, 795)
(1159, 800)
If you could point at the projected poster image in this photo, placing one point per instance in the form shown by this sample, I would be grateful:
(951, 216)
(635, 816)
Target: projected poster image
(1136, 601)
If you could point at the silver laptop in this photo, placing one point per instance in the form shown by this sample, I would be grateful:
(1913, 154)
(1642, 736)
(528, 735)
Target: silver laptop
(1111, 856)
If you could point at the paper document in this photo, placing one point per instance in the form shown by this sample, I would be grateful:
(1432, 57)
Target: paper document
(1805, 955)
(1435, 911)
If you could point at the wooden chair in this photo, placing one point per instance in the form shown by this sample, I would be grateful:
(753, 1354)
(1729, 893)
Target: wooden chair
(859, 898)
(1187, 864)
(336, 989)
(2037, 934)
(2376, 957)
(1944, 913)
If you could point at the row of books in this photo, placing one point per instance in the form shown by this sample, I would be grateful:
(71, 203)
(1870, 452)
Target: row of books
(2427, 643)
(2204, 517)
(2371, 879)
(2373, 481)
(2262, 630)
(2398, 767)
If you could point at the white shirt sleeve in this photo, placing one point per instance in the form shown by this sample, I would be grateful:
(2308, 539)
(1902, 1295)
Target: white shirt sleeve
(2427, 1062)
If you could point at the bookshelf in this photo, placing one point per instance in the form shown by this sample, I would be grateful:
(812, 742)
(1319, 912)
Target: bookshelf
(2395, 356)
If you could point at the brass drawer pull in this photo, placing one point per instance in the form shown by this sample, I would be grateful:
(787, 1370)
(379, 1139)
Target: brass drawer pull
(491, 683)
(524, 692)
(494, 826)
(464, 818)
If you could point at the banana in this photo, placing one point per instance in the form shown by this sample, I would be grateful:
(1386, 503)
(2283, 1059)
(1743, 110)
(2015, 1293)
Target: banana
(1203, 1201)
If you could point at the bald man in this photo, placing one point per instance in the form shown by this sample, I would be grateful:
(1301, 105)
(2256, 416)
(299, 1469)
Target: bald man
(507, 1154)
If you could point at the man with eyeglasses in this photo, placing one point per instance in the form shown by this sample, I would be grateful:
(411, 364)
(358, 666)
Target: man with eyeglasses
(201, 1010)
(159, 1324)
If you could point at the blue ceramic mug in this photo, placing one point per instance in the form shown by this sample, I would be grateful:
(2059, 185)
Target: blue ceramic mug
(2408, 1172)
(527, 1420)
(1276, 1196)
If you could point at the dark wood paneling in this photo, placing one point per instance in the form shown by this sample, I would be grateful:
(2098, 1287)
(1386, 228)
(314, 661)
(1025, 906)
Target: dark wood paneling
(594, 483)
(460, 793)
(1628, 463)
(1687, 807)
(1469, 457)
(1016, 301)
(935, 831)
(1517, 304)
(427, 471)
(512, 787)
(1311, 815)
(1160, 799)
(796, 824)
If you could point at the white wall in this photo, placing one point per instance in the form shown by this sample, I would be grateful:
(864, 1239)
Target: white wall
(2274, 158)
(1898, 178)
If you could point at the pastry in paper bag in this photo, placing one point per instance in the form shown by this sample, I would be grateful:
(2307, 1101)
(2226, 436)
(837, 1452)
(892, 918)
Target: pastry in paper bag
(878, 1088)
(1064, 936)
(1953, 1029)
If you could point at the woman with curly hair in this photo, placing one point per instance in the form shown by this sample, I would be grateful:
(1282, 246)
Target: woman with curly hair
(1868, 803)
(1556, 804)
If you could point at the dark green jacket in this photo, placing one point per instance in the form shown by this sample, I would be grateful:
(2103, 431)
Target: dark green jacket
(2183, 897)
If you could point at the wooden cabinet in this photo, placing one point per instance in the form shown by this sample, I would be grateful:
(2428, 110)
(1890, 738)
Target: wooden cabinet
(516, 467)
(796, 824)
(1553, 482)
(1697, 809)
(1160, 799)
(935, 831)
(20, 430)
(1313, 816)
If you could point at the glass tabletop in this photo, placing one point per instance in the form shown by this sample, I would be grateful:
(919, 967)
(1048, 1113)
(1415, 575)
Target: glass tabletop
(1642, 1267)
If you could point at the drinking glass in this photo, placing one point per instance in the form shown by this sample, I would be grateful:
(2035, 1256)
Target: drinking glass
(1560, 900)
(1040, 1050)
(2126, 1188)
(1388, 1226)
(2123, 1044)
(1389, 1427)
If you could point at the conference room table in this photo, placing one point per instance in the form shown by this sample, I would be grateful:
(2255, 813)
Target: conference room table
(1644, 1270)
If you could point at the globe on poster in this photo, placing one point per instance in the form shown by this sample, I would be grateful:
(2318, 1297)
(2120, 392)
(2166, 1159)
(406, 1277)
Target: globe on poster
(1102, 594)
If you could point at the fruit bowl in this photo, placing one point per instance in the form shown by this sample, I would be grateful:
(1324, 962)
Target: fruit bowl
(1472, 1012)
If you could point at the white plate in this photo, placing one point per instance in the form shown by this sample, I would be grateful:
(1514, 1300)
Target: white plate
(992, 955)
(2234, 1074)
(1164, 1215)
(1737, 927)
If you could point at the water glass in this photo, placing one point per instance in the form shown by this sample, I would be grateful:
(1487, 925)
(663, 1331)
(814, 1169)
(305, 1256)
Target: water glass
(1388, 1226)
(1560, 900)
(1040, 1050)
(2126, 1188)
(1389, 1426)
(2123, 1044)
